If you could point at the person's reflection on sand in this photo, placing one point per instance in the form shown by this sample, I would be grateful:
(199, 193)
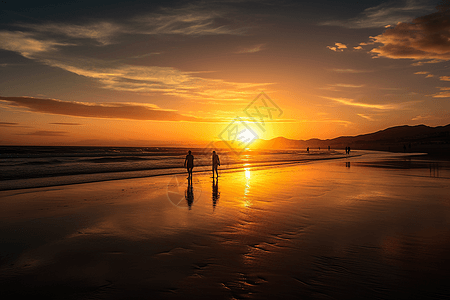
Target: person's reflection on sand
(215, 191)
(347, 164)
(189, 194)
(434, 170)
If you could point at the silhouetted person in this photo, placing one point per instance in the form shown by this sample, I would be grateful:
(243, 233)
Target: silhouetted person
(189, 194)
(215, 191)
(189, 164)
(346, 150)
(215, 163)
(319, 148)
(307, 150)
(328, 148)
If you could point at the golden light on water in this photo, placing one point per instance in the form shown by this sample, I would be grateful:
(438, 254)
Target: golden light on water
(247, 173)
(247, 200)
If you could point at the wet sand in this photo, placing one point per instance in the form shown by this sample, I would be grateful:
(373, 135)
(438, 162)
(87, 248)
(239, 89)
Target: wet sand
(343, 229)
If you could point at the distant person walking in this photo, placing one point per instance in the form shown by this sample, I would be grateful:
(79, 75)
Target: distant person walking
(307, 149)
(215, 163)
(189, 164)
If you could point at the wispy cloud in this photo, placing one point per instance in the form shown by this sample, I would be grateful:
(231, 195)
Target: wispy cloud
(366, 117)
(118, 76)
(385, 14)
(444, 78)
(26, 44)
(425, 38)
(192, 19)
(98, 110)
(347, 85)
(325, 120)
(351, 102)
(189, 20)
(420, 118)
(350, 71)
(101, 31)
(253, 49)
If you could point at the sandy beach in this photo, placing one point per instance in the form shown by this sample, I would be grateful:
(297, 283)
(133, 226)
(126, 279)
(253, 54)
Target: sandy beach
(340, 229)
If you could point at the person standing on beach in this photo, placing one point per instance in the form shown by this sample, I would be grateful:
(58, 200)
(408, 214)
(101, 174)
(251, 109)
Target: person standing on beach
(215, 163)
(189, 164)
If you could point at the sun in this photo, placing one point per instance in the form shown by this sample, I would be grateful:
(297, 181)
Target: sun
(247, 135)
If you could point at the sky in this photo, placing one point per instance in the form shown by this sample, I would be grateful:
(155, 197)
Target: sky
(143, 73)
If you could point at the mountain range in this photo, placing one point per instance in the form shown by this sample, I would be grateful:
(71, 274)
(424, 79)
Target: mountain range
(419, 138)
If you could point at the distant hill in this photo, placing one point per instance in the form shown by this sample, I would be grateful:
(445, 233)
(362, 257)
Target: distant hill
(420, 138)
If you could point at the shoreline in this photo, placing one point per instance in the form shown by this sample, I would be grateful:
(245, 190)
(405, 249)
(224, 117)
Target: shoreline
(49, 181)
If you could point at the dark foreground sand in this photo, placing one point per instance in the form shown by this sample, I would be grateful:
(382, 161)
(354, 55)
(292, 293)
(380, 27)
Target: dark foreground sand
(343, 229)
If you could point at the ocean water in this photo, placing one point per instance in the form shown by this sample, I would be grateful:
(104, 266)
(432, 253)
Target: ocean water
(34, 166)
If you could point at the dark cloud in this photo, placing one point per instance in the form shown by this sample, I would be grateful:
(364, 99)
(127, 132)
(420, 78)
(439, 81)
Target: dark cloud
(68, 124)
(425, 38)
(387, 13)
(11, 124)
(102, 110)
(46, 133)
(8, 124)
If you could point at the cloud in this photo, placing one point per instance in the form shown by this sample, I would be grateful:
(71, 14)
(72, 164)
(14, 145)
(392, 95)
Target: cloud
(25, 43)
(350, 71)
(444, 78)
(253, 49)
(344, 122)
(9, 124)
(101, 31)
(347, 85)
(98, 110)
(192, 19)
(12, 124)
(444, 93)
(420, 118)
(45, 133)
(384, 14)
(66, 124)
(425, 38)
(424, 73)
(351, 102)
(339, 47)
(366, 117)
(118, 76)
(166, 80)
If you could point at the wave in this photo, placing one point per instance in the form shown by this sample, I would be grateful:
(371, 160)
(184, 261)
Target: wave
(74, 176)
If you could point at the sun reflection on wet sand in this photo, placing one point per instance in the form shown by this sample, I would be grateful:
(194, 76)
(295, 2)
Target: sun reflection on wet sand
(294, 231)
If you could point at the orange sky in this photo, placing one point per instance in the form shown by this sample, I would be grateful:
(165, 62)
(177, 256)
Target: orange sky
(166, 73)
